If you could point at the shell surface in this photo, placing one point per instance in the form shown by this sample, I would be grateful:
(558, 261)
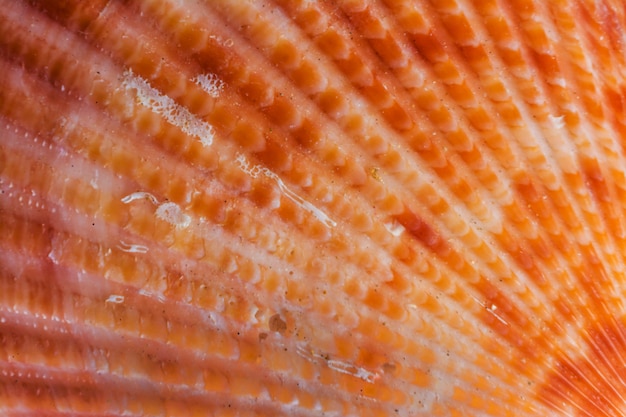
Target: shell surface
(312, 208)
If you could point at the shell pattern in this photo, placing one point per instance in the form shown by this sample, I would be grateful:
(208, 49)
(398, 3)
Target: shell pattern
(312, 208)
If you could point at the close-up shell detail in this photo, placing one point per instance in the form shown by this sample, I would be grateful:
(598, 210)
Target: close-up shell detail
(312, 208)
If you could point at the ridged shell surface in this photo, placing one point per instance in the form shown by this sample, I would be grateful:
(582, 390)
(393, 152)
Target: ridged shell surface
(312, 208)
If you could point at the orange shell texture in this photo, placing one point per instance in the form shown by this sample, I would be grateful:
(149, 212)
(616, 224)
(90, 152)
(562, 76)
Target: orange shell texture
(312, 208)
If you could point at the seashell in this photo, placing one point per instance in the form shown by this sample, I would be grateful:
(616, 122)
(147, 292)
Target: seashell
(310, 208)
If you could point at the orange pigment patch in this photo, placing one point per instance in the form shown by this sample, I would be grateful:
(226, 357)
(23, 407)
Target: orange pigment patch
(422, 231)
(594, 178)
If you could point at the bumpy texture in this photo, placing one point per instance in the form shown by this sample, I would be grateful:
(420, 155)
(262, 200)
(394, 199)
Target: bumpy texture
(312, 208)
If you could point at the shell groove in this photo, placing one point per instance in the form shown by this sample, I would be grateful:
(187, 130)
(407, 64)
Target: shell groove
(311, 208)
